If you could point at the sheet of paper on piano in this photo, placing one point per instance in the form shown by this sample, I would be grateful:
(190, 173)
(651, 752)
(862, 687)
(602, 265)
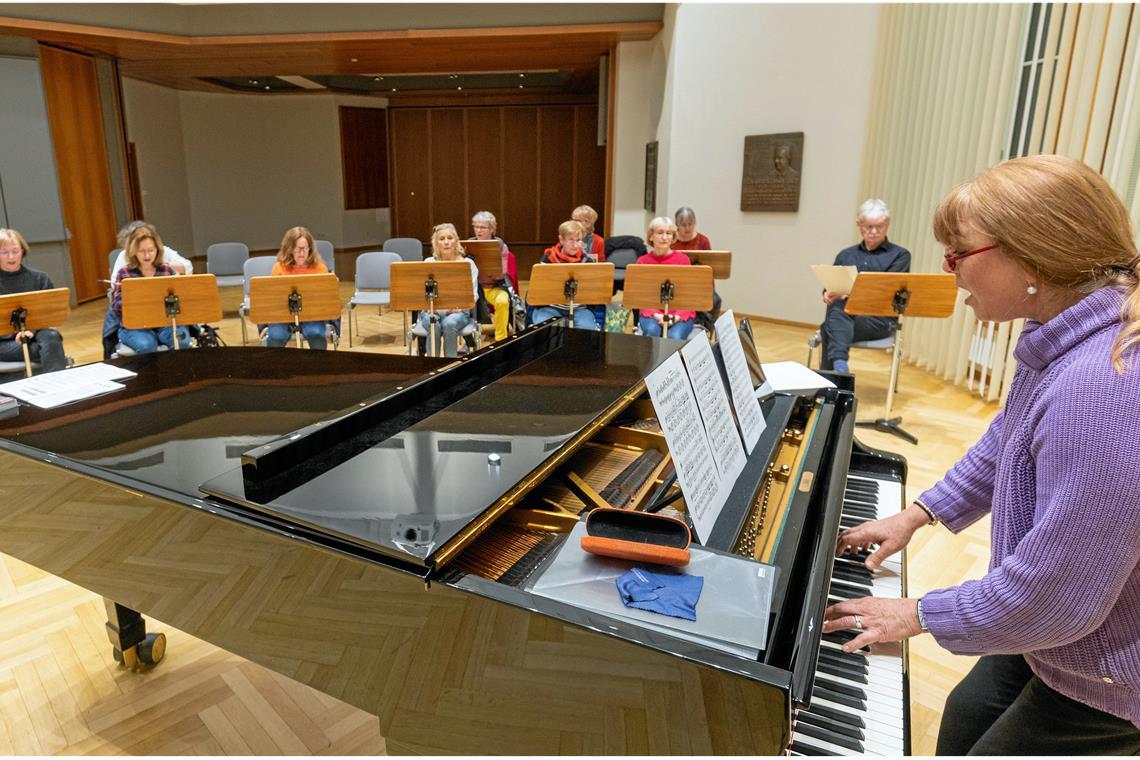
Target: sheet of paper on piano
(835, 279)
(748, 414)
(708, 388)
(680, 420)
(790, 377)
(54, 389)
(732, 613)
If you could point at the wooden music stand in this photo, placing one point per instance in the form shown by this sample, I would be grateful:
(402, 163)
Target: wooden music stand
(720, 261)
(893, 294)
(668, 287)
(488, 257)
(284, 298)
(429, 286)
(33, 311)
(153, 302)
(586, 282)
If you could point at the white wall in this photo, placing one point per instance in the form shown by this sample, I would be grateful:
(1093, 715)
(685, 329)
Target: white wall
(737, 70)
(220, 166)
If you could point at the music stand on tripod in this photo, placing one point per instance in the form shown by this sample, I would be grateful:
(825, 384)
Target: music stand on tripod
(33, 311)
(431, 286)
(668, 287)
(285, 298)
(571, 285)
(153, 302)
(894, 294)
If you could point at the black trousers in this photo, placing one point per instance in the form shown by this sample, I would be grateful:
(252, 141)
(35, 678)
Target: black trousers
(46, 348)
(1001, 708)
(840, 330)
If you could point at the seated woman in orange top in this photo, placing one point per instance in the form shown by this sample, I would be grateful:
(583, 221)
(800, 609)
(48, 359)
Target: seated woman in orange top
(298, 255)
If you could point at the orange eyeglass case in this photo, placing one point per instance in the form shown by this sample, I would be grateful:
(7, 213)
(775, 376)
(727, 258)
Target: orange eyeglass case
(637, 536)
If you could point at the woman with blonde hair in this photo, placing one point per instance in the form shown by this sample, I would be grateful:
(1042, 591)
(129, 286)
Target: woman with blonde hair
(44, 345)
(1056, 620)
(144, 251)
(661, 236)
(445, 246)
(298, 255)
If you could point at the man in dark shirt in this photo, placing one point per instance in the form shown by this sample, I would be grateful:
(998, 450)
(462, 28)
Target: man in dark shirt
(46, 345)
(874, 254)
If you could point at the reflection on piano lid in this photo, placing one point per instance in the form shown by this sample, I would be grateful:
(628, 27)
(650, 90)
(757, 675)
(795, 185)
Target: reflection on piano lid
(367, 475)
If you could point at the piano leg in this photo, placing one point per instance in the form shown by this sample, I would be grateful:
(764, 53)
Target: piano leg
(133, 646)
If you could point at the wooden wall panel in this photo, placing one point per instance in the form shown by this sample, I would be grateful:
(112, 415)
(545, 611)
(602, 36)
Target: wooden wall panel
(529, 165)
(411, 186)
(71, 91)
(485, 166)
(448, 184)
(557, 165)
(520, 193)
(364, 156)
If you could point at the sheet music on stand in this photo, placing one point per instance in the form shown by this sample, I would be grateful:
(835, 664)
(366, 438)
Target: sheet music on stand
(744, 400)
(712, 401)
(837, 279)
(53, 389)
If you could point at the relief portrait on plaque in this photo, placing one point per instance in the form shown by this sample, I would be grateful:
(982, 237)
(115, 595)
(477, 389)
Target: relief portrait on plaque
(772, 164)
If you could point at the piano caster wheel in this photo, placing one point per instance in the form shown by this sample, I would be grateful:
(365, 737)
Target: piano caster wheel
(147, 652)
(152, 649)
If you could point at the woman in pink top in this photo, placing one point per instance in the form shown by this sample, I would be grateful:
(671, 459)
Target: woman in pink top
(662, 234)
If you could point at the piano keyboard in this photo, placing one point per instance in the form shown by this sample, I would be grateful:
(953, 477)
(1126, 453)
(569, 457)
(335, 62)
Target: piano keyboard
(857, 704)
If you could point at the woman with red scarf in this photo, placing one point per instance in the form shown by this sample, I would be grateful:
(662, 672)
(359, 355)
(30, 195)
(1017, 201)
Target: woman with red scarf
(567, 251)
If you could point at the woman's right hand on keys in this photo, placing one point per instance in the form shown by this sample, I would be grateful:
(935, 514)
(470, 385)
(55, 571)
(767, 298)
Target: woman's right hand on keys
(891, 534)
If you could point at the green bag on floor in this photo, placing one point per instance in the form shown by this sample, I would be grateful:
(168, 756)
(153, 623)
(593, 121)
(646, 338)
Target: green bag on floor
(616, 319)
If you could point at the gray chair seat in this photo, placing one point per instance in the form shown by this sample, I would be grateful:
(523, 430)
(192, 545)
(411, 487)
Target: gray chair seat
(409, 249)
(373, 284)
(225, 262)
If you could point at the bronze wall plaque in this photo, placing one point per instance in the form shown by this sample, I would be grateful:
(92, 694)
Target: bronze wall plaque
(772, 164)
(651, 177)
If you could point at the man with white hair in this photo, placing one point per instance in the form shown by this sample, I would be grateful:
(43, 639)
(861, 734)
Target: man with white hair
(874, 254)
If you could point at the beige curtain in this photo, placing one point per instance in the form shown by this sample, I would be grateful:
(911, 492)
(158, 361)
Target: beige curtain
(959, 88)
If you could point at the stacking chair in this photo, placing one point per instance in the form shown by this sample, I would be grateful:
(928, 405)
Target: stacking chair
(258, 266)
(225, 261)
(410, 249)
(373, 285)
(879, 344)
(621, 258)
(328, 253)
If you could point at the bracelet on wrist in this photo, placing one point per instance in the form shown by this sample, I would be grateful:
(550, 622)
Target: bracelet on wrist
(929, 512)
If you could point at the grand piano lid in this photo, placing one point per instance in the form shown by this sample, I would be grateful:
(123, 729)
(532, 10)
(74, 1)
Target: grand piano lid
(407, 474)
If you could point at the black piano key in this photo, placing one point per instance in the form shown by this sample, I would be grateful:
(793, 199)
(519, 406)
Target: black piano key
(851, 659)
(842, 592)
(823, 734)
(838, 716)
(861, 501)
(861, 514)
(840, 638)
(838, 697)
(840, 671)
(851, 575)
(870, 486)
(808, 749)
(852, 522)
(841, 688)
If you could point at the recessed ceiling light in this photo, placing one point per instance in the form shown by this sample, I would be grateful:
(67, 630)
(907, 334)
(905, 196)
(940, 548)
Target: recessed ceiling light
(521, 76)
(460, 87)
(393, 89)
(254, 81)
(377, 79)
(521, 86)
(354, 60)
(267, 87)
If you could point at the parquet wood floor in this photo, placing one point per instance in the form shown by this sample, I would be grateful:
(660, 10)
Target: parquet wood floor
(61, 692)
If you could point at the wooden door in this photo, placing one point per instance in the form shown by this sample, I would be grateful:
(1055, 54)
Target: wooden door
(71, 91)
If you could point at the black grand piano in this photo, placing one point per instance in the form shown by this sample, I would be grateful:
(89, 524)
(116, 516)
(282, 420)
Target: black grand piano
(372, 526)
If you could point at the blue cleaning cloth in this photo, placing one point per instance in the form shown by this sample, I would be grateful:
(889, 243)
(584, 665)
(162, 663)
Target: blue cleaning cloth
(672, 595)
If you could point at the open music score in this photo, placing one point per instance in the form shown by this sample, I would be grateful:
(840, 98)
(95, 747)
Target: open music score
(570, 284)
(153, 302)
(294, 298)
(33, 311)
(720, 261)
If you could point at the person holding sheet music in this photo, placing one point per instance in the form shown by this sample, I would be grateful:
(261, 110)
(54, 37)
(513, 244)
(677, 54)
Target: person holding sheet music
(567, 251)
(45, 345)
(874, 254)
(494, 285)
(144, 251)
(298, 255)
(662, 234)
(445, 246)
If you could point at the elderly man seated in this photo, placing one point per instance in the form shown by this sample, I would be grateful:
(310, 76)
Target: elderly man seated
(874, 254)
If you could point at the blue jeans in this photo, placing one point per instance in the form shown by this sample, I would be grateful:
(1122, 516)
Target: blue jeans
(447, 330)
(679, 330)
(148, 341)
(583, 316)
(314, 332)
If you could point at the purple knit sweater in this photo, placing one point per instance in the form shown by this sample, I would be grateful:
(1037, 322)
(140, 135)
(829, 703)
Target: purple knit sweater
(1059, 469)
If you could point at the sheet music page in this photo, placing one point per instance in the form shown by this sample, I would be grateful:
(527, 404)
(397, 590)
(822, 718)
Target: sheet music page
(712, 401)
(836, 279)
(744, 400)
(54, 389)
(684, 431)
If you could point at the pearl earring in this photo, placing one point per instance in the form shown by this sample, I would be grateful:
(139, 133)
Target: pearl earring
(1031, 289)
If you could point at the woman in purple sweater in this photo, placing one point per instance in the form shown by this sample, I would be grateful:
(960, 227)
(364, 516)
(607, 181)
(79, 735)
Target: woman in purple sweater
(1056, 619)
